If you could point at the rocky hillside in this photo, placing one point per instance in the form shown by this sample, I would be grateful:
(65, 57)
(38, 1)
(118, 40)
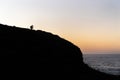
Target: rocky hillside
(36, 52)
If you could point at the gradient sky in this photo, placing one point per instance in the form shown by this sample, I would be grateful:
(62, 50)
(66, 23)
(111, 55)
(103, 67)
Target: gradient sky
(93, 25)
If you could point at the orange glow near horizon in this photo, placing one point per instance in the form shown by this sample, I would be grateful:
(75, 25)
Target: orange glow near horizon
(96, 45)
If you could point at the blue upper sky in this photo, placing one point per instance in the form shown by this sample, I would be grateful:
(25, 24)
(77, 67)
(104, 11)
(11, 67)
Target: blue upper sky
(93, 25)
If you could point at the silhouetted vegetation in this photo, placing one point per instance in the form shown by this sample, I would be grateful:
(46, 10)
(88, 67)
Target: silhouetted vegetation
(44, 55)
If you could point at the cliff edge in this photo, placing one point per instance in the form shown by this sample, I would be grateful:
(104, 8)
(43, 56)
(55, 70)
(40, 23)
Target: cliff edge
(34, 52)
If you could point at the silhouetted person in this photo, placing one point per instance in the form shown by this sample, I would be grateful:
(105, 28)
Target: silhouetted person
(31, 27)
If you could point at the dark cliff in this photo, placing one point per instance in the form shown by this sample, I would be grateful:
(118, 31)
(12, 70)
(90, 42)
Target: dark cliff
(34, 52)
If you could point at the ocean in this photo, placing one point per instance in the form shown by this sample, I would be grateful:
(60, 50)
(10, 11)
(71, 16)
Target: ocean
(108, 63)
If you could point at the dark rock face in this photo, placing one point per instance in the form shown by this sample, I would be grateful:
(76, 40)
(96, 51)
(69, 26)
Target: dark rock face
(34, 52)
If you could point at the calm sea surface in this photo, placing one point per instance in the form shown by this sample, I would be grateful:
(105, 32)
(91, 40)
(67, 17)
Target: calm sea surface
(108, 63)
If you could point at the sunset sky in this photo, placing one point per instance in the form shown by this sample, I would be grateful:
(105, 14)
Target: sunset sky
(93, 25)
